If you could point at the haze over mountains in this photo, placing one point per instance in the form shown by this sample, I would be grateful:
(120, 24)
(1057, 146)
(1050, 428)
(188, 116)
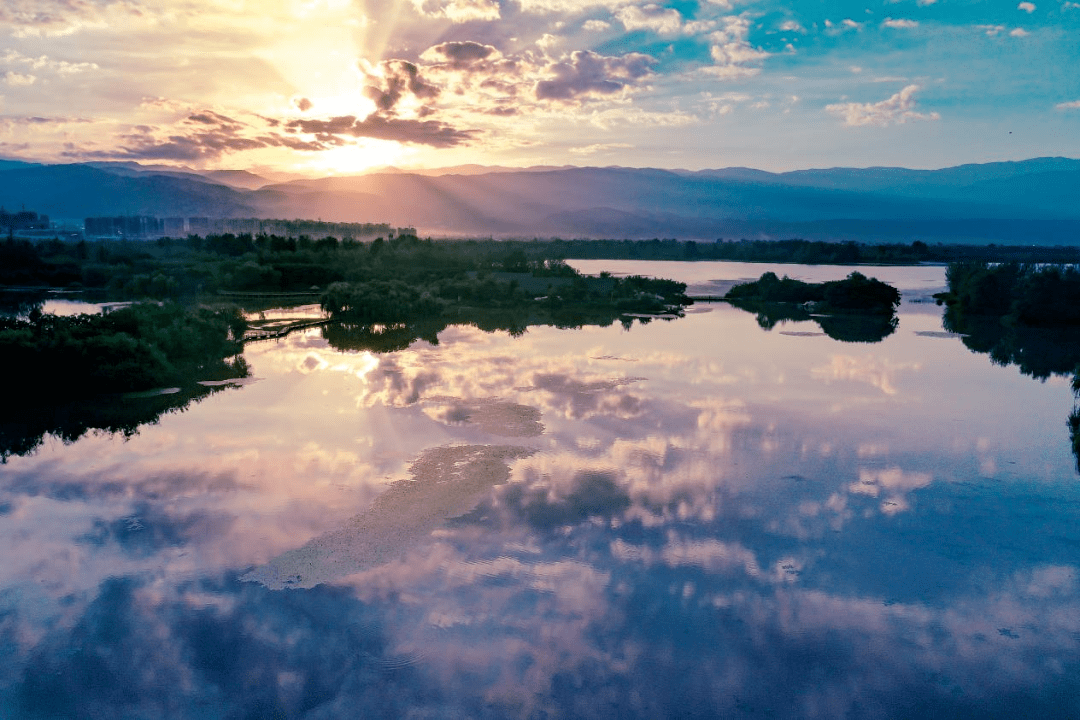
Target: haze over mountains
(1032, 201)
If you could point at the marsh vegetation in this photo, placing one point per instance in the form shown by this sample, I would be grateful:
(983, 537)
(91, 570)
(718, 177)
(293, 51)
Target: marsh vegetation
(855, 309)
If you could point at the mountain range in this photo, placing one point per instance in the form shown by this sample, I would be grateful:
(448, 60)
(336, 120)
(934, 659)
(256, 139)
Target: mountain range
(1031, 201)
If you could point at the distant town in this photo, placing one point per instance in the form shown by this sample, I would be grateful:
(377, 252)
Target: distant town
(31, 225)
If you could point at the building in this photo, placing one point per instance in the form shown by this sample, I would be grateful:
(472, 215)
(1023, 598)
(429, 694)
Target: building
(13, 222)
(150, 228)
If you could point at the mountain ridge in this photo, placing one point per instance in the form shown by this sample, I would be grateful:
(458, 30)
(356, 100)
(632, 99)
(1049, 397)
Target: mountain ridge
(996, 199)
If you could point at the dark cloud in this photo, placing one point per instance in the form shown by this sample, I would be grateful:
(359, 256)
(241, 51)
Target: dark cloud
(303, 104)
(420, 132)
(396, 80)
(200, 144)
(587, 73)
(212, 118)
(460, 55)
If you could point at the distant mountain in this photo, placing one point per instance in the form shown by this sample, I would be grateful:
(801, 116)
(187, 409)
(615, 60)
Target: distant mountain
(238, 179)
(1032, 201)
(467, 170)
(80, 191)
(14, 165)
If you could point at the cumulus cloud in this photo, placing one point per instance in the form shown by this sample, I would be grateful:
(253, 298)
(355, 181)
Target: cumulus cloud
(995, 30)
(842, 26)
(459, 11)
(663, 21)
(14, 79)
(541, 7)
(584, 73)
(898, 109)
(900, 23)
(461, 55)
(733, 56)
(1026, 7)
(595, 26)
(1072, 105)
(392, 81)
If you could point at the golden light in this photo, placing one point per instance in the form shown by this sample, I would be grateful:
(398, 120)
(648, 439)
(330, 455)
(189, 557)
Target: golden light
(355, 159)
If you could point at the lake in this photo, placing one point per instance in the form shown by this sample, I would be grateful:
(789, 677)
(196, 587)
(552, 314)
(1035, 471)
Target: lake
(693, 517)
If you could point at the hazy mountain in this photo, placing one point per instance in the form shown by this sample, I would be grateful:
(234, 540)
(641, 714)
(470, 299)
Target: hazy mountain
(467, 170)
(1029, 201)
(238, 179)
(79, 191)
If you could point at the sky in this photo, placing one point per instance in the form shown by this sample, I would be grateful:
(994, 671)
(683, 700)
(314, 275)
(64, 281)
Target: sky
(323, 87)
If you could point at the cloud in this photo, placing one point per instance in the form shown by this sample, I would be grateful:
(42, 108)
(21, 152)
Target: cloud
(584, 73)
(64, 17)
(900, 23)
(1073, 105)
(731, 52)
(14, 79)
(844, 25)
(1026, 7)
(600, 148)
(45, 63)
(207, 135)
(461, 55)
(459, 11)
(432, 133)
(544, 7)
(898, 109)
(392, 81)
(663, 21)
(595, 26)
(191, 147)
(1019, 32)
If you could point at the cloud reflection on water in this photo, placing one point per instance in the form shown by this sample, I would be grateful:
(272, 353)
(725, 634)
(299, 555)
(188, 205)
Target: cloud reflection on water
(696, 533)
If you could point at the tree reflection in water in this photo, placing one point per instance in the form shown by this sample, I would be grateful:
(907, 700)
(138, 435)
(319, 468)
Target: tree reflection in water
(1036, 351)
(848, 327)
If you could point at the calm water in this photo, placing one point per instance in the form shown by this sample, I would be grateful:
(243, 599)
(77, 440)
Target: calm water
(692, 518)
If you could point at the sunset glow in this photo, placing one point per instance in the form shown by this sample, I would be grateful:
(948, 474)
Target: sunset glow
(326, 84)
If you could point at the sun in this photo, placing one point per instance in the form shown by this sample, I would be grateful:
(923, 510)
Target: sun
(356, 159)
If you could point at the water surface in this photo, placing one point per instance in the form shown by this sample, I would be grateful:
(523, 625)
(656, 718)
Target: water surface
(689, 518)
